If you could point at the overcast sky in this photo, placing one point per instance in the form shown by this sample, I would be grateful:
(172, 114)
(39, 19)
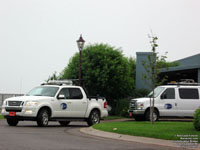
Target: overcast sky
(38, 37)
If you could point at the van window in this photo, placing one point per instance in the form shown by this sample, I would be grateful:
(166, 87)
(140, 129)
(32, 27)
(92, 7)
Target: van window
(157, 91)
(188, 93)
(169, 93)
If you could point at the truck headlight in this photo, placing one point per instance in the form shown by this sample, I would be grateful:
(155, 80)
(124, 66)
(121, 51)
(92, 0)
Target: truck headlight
(31, 103)
(4, 103)
(140, 105)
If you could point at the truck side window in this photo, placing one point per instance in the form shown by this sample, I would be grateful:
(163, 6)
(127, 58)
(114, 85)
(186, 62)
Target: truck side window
(65, 92)
(188, 93)
(75, 93)
(169, 93)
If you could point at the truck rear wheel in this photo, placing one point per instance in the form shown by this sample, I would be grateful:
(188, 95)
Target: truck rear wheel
(64, 123)
(12, 121)
(94, 118)
(43, 118)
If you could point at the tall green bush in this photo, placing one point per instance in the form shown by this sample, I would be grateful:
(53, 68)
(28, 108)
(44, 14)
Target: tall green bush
(122, 107)
(196, 120)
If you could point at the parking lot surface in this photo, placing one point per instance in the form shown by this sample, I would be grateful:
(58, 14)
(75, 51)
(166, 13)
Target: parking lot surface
(28, 136)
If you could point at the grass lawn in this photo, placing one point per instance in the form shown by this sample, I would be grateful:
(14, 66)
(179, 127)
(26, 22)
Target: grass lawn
(1, 117)
(112, 117)
(160, 130)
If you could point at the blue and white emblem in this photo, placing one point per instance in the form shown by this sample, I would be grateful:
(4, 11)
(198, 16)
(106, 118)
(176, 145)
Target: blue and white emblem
(168, 106)
(63, 106)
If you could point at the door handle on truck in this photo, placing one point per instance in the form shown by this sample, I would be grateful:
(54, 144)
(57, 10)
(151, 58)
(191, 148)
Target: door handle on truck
(175, 104)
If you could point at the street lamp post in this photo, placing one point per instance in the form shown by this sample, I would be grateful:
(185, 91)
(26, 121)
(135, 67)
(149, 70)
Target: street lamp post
(80, 43)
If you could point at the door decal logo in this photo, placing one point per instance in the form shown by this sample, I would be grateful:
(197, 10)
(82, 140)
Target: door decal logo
(168, 106)
(63, 106)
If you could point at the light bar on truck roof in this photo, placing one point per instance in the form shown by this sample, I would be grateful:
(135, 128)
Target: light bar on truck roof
(59, 82)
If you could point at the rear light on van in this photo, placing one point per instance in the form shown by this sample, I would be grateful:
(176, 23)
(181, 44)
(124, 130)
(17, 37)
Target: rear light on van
(105, 104)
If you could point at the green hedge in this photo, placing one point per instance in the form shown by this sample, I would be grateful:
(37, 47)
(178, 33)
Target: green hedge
(196, 121)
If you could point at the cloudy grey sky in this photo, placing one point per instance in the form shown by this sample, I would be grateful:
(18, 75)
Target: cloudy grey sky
(38, 37)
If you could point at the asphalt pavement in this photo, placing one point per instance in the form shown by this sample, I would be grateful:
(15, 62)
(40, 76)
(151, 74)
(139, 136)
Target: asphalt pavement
(28, 136)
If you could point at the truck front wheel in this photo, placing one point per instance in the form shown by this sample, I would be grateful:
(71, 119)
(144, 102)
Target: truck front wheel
(94, 118)
(43, 118)
(155, 115)
(12, 121)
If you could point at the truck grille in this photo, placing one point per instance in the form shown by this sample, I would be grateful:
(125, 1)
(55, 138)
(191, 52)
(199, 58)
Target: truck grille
(13, 109)
(132, 105)
(14, 103)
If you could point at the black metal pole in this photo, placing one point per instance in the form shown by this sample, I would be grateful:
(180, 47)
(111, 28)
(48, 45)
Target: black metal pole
(80, 67)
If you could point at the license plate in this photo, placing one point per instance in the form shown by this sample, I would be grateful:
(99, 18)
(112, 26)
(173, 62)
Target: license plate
(12, 113)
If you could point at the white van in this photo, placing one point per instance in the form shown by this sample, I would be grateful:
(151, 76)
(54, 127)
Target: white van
(170, 101)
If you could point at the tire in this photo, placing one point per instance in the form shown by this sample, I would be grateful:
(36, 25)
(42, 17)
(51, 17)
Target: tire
(147, 115)
(43, 118)
(12, 121)
(94, 118)
(64, 123)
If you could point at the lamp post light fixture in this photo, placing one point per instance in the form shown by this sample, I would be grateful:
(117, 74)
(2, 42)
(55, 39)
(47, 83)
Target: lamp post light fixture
(80, 43)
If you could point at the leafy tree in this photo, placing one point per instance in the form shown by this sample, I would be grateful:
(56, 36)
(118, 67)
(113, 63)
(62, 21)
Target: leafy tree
(152, 67)
(105, 71)
(53, 77)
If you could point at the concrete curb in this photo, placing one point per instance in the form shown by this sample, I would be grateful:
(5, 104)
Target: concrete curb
(116, 136)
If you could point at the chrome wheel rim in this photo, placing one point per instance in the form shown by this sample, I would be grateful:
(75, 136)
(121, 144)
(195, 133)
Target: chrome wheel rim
(95, 118)
(45, 118)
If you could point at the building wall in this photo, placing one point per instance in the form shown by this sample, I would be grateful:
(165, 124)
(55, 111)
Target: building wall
(188, 61)
(140, 71)
(189, 66)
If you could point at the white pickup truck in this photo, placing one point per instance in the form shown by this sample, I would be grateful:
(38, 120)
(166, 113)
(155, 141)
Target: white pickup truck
(55, 101)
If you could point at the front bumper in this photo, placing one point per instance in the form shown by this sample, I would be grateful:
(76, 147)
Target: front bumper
(137, 112)
(19, 111)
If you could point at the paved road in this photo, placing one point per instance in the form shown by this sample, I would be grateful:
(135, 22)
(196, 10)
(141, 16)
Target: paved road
(27, 136)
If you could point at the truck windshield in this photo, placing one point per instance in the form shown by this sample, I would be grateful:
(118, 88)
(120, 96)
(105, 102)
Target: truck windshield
(157, 91)
(43, 91)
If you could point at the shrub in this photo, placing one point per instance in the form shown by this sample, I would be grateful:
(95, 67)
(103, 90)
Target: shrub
(122, 107)
(196, 121)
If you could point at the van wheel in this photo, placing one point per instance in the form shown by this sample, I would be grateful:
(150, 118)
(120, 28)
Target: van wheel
(43, 118)
(155, 115)
(12, 121)
(94, 118)
(64, 123)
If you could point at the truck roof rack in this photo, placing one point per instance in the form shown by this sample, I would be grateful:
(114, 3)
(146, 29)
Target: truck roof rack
(58, 82)
(189, 82)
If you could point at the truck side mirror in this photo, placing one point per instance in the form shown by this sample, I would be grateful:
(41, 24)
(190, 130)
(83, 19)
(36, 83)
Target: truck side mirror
(61, 96)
